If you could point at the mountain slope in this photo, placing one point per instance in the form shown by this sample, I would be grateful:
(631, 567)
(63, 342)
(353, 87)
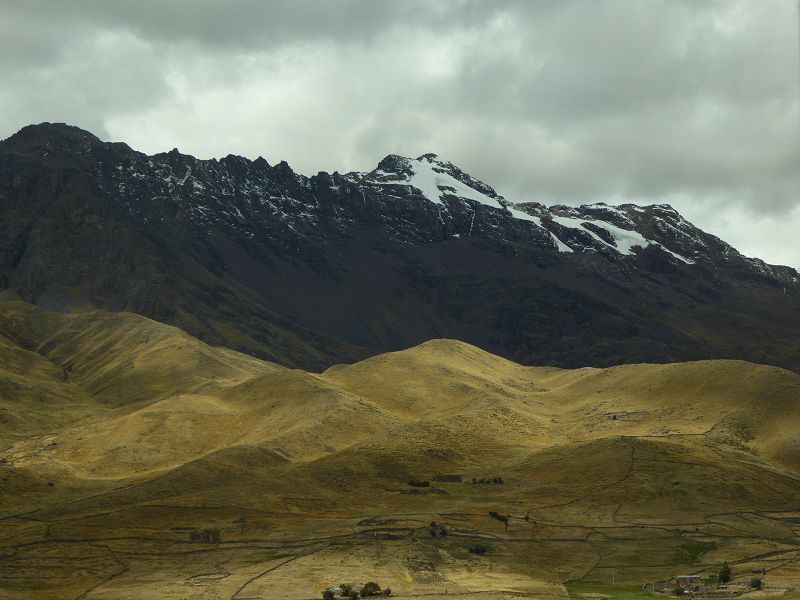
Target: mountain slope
(193, 471)
(312, 271)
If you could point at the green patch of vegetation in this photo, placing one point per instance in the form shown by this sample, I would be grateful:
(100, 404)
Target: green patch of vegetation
(690, 552)
(623, 592)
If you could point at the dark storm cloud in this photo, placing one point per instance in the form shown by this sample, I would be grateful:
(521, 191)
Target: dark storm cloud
(243, 24)
(693, 102)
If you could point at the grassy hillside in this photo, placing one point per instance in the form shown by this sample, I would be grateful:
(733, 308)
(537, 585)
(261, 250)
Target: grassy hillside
(125, 440)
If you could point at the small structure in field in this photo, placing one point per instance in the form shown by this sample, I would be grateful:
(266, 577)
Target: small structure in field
(688, 581)
(687, 584)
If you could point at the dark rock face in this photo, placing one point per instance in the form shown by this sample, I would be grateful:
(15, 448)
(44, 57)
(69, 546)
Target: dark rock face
(332, 268)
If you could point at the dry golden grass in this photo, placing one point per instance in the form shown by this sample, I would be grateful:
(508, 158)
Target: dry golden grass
(122, 436)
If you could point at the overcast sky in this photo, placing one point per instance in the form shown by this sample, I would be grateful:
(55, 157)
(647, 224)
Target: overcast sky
(690, 102)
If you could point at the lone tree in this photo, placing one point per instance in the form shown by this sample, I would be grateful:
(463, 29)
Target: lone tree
(346, 589)
(433, 528)
(725, 574)
(756, 583)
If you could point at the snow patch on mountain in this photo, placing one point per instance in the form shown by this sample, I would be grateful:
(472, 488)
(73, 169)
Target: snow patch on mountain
(624, 240)
(523, 216)
(435, 179)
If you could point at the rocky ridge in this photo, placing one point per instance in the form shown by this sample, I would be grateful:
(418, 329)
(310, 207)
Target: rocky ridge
(314, 270)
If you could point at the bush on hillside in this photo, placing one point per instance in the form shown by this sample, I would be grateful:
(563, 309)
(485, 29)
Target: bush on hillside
(416, 483)
(480, 549)
(370, 589)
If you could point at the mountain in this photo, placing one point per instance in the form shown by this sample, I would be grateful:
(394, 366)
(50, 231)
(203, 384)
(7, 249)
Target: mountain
(310, 271)
(172, 469)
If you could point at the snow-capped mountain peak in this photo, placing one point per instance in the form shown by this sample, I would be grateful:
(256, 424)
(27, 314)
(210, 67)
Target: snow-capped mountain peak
(414, 249)
(591, 227)
(433, 179)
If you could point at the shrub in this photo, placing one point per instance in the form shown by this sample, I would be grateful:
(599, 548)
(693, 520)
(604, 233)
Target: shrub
(328, 595)
(480, 549)
(346, 589)
(495, 515)
(725, 574)
(370, 589)
(756, 583)
(387, 592)
(434, 527)
(353, 594)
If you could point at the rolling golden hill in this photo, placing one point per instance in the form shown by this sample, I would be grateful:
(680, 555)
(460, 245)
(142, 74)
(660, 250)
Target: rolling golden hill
(139, 462)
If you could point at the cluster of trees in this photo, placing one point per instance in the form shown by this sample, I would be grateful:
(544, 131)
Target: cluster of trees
(437, 529)
(490, 480)
(725, 576)
(348, 591)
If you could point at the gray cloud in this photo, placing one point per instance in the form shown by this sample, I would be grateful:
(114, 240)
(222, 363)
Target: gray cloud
(693, 102)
